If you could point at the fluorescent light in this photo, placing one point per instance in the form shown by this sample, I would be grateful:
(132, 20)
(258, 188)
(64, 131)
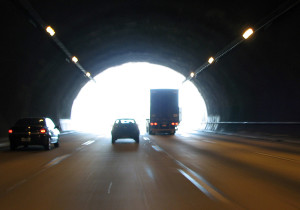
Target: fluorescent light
(248, 33)
(50, 31)
(74, 59)
(211, 60)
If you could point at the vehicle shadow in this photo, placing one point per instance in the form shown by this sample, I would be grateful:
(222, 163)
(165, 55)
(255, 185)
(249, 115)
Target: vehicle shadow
(31, 148)
(125, 145)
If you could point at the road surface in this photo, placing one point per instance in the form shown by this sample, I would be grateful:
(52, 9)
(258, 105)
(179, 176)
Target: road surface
(185, 171)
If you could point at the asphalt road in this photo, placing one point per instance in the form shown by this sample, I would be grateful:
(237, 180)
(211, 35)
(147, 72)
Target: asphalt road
(185, 171)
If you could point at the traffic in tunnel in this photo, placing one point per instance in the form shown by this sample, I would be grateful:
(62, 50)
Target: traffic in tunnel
(252, 80)
(240, 60)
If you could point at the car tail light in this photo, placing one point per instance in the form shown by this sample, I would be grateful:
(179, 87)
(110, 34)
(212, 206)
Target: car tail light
(43, 130)
(10, 131)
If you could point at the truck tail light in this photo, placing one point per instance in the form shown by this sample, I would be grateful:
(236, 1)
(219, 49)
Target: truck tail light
(43, 130)
(10, 131)
(155, 123)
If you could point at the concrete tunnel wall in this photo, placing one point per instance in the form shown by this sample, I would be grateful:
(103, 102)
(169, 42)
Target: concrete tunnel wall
(257, 81)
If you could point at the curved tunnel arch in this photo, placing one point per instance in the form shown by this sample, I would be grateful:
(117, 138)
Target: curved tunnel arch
(256, 82)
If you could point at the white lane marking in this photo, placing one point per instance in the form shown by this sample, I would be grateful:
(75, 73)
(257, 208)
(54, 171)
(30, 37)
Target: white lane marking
(88, 142)
(57, 160)
(48, 165)
(16, 185)
(208, 141)
(146, 138)
(273, 156)
(109, 188)
(202, 184)
(205, 186)
(149, 172)
(199, 186)
(157, 148)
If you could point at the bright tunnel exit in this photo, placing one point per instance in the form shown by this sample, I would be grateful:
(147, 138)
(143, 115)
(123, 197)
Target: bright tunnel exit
(124, 92)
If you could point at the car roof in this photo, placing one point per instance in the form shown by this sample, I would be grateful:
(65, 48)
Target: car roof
(125, 119)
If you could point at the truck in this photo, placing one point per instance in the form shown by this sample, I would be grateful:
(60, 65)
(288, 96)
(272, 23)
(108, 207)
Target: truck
(164, 111)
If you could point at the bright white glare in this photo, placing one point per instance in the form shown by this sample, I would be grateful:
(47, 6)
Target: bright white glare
(124, 92)
(74, 59)
(248, 33)
(192, 74)
(50, 31)
(210, 60)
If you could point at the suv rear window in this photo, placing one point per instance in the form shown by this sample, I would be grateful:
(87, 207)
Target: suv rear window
(31, 121)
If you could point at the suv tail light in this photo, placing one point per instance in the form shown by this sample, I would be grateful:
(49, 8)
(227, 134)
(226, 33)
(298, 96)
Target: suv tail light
(43, 130)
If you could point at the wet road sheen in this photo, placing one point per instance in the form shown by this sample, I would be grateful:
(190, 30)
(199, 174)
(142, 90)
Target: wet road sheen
(185, 171)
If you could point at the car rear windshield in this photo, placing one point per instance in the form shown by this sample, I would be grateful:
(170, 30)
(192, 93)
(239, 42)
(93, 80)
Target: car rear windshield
(31, 121)
(125, 121)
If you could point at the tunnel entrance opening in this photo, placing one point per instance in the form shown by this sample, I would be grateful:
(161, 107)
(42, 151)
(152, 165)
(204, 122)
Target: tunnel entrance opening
(124, 92)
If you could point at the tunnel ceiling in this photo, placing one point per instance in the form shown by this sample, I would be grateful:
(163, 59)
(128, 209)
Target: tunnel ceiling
(256, 81)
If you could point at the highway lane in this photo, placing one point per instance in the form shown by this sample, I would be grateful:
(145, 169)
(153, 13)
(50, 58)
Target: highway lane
(185, 171)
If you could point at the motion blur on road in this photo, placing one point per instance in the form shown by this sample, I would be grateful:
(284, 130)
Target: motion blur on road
(185, 171)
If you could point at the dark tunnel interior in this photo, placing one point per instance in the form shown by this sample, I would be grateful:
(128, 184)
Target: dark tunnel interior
(257, 81)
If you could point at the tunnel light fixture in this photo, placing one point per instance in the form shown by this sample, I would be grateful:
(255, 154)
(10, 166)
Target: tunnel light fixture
(88, 74)
(211, 60)
(192, 74)
(248, 33)
(74, 59)
(50, 30)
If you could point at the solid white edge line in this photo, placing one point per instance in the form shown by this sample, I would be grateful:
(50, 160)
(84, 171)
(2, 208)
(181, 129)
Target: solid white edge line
(211, 189)
(199, 186)
(277, 157)
(212, 192)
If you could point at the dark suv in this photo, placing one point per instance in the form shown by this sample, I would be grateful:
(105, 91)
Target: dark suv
(125, 128)
(34, 131)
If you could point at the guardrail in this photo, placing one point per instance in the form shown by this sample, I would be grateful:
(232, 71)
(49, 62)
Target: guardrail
(277, 130)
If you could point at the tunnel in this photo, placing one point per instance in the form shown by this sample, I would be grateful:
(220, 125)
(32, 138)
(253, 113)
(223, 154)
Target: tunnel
(253, 88)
